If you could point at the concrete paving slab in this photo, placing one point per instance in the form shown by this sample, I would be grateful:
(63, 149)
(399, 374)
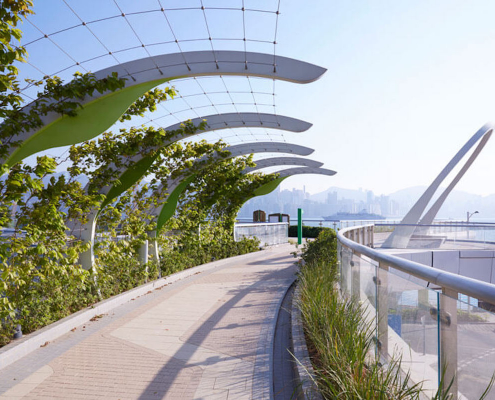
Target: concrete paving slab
(207, 336)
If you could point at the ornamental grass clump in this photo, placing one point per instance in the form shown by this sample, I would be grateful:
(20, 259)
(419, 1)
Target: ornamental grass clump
(340, 339)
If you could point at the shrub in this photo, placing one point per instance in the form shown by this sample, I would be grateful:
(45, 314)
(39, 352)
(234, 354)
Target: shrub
(322, 250)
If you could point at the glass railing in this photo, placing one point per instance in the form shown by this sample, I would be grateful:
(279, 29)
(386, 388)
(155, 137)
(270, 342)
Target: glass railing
(268, 234)
(328, 223)
(437, 323)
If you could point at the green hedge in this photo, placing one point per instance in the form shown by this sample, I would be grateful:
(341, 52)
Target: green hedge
(59, 294)
(311, 232)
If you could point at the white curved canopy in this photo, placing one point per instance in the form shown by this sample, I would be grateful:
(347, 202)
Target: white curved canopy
(236, 151)
(276, 161)
(102, 110)
(215, 122)
(200, 63)
(222, 62)
(248, 120)
(305, 170)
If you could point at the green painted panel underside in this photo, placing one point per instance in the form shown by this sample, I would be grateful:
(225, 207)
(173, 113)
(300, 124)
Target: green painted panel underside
(262, 190)
(265, 189)
(92, 120)
(268, 187)
(169, 207)
(132, 175)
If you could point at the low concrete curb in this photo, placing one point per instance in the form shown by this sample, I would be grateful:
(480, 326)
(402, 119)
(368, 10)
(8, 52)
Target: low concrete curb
(270, 338)
(304, 370)
(22, 347)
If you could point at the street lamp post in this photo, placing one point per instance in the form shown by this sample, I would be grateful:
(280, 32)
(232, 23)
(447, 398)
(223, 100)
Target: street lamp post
(469, 215)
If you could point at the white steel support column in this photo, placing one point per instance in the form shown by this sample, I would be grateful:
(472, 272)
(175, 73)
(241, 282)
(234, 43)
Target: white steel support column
(448, 341)
(143, 253)
(382, 309)
(86, 259)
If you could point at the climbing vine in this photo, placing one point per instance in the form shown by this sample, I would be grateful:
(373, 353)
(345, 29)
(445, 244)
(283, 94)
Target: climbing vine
(123, 177)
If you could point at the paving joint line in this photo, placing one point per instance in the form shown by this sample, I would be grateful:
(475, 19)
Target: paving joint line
(20, 348)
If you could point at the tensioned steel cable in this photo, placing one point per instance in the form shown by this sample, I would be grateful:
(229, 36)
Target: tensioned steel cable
(56, 44)
(213, 50)
(158, 119)
(108, 51)
(202, 92)
(173, 34)
(163, 11)
(137, 37)
(277, 13)
(214, 57)
(245, 53)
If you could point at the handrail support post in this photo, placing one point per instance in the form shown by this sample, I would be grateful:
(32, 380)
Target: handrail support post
(355, 275)
(382, 309)
(448, 341)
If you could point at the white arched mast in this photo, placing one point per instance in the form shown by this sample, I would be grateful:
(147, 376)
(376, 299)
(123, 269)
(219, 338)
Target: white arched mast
(402, 234)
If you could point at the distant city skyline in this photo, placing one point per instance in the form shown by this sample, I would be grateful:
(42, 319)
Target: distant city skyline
(396, 205)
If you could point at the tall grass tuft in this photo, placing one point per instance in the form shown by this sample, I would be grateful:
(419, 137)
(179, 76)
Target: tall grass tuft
(339, 340)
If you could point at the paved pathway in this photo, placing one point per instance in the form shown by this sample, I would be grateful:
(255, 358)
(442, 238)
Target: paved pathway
(204, 337)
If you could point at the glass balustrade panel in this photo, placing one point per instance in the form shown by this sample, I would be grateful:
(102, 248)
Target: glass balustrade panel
(413, 329)
(267, 234)
(475, 347)
(364, 289)
(346, 274)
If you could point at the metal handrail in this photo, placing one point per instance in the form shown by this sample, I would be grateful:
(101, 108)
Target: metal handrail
(446, 225)
(250, 224)
(470, 287)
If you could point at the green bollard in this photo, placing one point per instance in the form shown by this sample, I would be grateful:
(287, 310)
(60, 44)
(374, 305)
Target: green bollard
(299, 225)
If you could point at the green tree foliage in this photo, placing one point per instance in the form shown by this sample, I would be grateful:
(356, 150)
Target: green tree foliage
(11, 13)
(202, 230)
(148, 102)
(56, 97)
(38, 281)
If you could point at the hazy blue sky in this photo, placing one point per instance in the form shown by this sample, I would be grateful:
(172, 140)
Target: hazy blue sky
(408, 82)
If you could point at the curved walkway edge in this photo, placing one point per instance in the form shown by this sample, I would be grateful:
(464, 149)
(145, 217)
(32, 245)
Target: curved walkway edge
(204, 333)
(304, 369)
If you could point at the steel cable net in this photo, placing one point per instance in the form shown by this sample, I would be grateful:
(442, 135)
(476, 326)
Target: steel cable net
(67, 36)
